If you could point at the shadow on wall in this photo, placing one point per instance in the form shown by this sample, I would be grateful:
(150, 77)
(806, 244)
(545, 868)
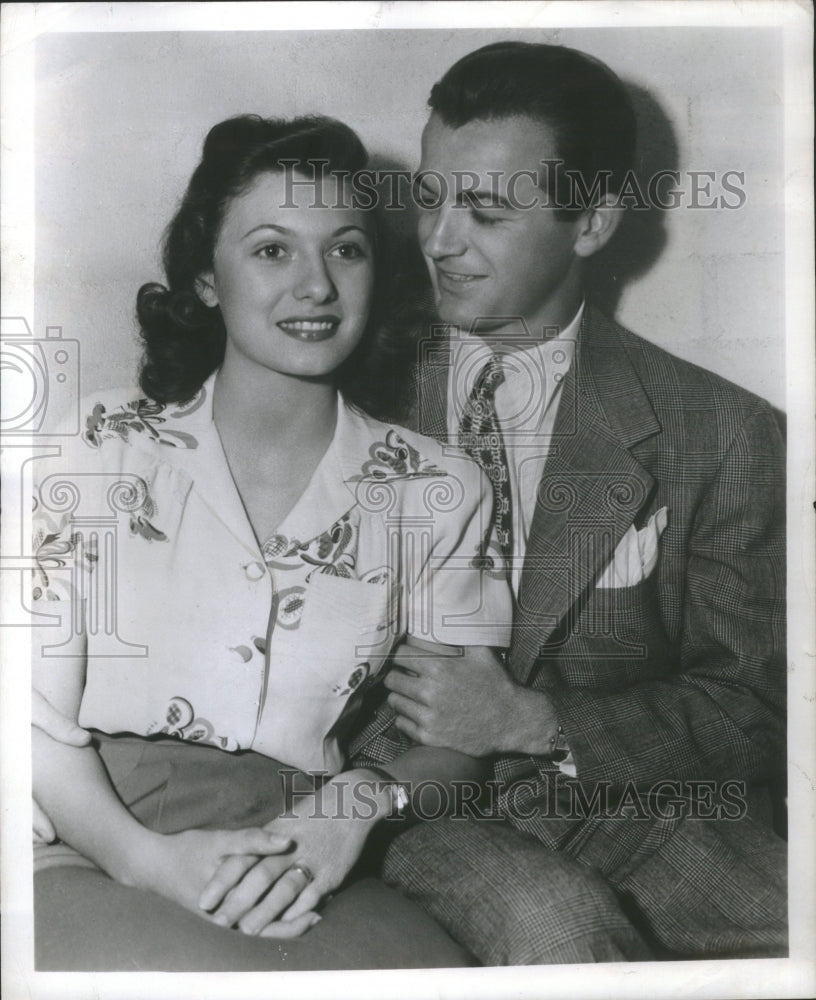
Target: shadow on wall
(631, 253)
(641, 236)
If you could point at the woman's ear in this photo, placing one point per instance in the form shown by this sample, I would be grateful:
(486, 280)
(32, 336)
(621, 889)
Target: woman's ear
(205, 288)
(598, 226)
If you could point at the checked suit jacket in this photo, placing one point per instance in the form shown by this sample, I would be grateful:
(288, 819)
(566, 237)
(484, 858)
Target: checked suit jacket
(680, 677)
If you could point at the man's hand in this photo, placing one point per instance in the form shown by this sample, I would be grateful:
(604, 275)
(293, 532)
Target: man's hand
(465, 702)
(45, 717)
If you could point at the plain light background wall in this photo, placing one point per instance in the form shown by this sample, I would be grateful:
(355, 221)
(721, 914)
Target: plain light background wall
(120, 118)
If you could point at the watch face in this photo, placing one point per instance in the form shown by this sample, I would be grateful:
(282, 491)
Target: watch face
(401, 800)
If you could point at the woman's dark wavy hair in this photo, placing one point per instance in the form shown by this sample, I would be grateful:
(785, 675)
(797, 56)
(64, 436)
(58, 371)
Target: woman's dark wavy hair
(184, 339)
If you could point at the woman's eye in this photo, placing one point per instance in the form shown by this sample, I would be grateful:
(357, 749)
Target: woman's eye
(348, 251)
(272, 251)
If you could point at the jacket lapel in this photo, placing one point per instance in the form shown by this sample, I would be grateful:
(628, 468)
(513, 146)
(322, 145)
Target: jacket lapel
(429, 413)
(591, 491)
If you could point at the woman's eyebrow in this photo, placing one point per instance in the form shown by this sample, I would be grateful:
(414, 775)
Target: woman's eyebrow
(290, 232)
(346, 229)
(268, 225)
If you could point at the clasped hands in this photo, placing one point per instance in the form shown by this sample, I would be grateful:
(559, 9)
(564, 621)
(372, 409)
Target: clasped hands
(265, 881)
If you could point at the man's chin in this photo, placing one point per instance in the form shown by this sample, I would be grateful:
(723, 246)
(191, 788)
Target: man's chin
(455, 314)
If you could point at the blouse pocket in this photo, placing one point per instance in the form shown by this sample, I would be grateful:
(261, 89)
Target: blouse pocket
(343, 637)
(348, 628)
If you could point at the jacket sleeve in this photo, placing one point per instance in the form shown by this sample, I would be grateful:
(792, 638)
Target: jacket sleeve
(377, 741)
(721, 713)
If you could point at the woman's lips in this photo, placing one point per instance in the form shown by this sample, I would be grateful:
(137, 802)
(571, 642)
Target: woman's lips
(313, 329)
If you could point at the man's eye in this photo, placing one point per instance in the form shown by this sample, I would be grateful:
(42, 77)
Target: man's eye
(424, 197)
(272, 251)
(485, 219)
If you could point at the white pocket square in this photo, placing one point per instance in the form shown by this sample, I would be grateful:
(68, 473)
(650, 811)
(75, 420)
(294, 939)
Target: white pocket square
(636, 555)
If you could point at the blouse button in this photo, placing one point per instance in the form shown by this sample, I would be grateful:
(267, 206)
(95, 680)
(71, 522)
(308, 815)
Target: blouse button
(254, 570)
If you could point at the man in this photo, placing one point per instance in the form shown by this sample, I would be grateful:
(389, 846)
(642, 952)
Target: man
(639, 503)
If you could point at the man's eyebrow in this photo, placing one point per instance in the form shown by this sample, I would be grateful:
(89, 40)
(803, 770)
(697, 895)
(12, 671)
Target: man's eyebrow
(491, 198)
(485, 198)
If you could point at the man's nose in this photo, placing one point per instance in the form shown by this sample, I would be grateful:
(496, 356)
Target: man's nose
(314, 281)
(441, 232)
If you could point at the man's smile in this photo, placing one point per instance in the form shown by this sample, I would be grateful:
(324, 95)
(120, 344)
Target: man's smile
(456, 280)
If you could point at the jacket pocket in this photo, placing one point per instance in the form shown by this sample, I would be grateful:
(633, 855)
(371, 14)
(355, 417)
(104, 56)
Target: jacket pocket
(616, 637)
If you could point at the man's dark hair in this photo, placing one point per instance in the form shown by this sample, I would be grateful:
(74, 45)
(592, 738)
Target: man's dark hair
(577, 96)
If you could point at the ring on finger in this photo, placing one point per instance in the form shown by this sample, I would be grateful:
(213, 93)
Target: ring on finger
(304, 870)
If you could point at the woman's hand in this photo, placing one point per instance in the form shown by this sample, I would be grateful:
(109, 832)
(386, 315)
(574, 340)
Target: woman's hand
(180, 865)
(64, 730)
(274, 897)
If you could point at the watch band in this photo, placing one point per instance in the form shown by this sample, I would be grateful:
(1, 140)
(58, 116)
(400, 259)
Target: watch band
(400, 797)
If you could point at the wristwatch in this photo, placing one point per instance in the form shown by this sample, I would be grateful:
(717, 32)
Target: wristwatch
(559, 747)
(399, 792)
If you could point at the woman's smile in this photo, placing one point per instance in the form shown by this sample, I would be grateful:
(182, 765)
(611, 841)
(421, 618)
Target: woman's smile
(315, 328)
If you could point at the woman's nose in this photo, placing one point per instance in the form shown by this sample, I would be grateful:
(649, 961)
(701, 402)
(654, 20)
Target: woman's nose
(441, 232)
(314, 282)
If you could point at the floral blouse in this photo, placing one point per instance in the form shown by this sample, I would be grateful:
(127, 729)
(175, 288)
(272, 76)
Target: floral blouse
(193, 629)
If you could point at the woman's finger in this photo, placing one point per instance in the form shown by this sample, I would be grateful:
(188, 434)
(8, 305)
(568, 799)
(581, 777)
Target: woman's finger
(56, 725)
(42, 825)
(290, 928)
(305, 902)
(228, 874)
(279, 898)
(253, 840)
(244, 896)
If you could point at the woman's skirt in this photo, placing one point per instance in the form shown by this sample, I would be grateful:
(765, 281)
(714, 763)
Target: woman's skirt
(86, 921)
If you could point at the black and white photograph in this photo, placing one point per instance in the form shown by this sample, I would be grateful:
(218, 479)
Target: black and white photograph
(408, 500)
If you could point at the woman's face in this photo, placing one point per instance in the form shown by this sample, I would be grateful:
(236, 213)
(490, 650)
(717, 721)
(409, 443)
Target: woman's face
(292, 274)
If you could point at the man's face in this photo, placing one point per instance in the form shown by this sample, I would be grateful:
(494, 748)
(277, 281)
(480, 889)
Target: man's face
(490, 258)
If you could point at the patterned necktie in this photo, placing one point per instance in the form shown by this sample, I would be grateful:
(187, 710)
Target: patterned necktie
(480, 437)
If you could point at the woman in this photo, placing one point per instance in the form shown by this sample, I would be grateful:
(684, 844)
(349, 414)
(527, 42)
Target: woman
(265, 541)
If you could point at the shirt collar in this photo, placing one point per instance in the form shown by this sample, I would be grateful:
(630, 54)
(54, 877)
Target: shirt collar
(544, 364)
(363, 453)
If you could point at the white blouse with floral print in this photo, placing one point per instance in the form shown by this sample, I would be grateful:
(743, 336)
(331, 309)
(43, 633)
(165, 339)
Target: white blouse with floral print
(193, 629)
